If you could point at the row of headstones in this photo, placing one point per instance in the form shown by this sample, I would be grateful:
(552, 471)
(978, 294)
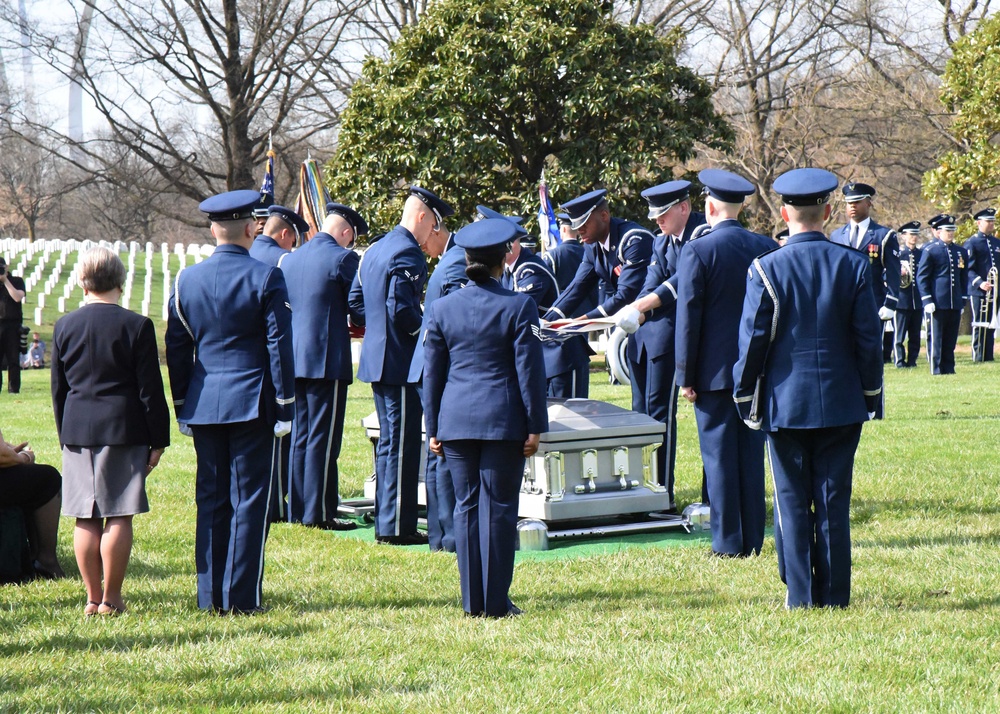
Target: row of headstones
(19, 252)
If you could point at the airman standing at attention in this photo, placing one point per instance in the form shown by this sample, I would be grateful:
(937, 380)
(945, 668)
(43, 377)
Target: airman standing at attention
(942, 279)
(229, 357)
(808, 375)
(984, 263)
(909, 311)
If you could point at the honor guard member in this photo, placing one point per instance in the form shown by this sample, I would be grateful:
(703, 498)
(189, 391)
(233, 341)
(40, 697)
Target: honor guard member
(909, 311)
(230, 362)
(983, 250)
(319, 277)
(261, 212)
(881, 246)
(808, 375)
(11, 316)
(651, 350)
(942, 277)
(385, 297)
(484, 394)
(448, 276)
(711, 286)
(282, 229)
(616, 251)
(563, 261)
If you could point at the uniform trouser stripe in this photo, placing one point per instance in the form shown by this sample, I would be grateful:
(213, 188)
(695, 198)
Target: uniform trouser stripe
(399, 462)
(329, 447)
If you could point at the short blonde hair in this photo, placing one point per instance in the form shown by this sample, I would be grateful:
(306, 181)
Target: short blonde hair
(101, 270)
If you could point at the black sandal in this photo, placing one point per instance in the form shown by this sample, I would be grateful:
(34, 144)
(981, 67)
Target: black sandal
(112, 610)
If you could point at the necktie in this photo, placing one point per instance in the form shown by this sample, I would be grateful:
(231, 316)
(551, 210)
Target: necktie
(854, 237)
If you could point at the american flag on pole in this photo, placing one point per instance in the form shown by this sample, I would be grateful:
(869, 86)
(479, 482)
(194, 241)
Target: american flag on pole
(548, 227)
(267, 187)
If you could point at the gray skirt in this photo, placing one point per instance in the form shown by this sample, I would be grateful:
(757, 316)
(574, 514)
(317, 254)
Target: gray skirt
(104, 481)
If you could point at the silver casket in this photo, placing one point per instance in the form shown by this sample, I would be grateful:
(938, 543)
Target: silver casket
(596, 461)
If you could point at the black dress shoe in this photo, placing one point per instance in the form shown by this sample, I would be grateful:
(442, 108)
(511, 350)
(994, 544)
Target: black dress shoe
(334, 524)
(408, 539)
(250, 612)
(43, 573)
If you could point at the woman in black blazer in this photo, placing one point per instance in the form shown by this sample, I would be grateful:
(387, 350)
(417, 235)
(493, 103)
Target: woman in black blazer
(113, 423)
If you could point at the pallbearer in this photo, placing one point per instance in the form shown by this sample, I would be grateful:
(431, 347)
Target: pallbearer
(484, 396)
(942, 279)
(319, 277)
(385, 297)
(711, 285)
(984, 262)
(229, 356)
(909, 311)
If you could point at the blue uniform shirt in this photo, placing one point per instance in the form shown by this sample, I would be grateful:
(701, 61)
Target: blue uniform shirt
(984, 253)
(265, 249)
(622, 267)
(448, 276)
(909, 297)
(385, 297)
(881, 246)
(319, 277)
(564, 260)
(710, 291)
(942, 275)
(229, 341)
(810, 339)
(483, 377)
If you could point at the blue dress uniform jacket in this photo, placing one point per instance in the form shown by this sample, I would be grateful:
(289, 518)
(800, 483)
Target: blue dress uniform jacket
(265, 249)
(711, 286)
(942, 278)
(809, 371)
(319, 276)
(385, 297)
(484, 392)
(622, 267)
(881, 245)
(229, 343)
(230, 361)
(909, 312)
(448, 276)
(531, 276)
(984, 255)
(794, 297)
(564, 260)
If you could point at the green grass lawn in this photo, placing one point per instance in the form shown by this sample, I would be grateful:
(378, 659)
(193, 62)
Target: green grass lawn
(361, 627)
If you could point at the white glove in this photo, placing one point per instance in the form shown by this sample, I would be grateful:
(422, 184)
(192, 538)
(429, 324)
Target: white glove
(755, 425)
(885, 313)
(282, 428)
(628, 319)
(871, 416)
(929, 308)
(184, 429)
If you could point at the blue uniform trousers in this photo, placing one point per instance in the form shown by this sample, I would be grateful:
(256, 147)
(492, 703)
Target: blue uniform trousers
(813, 475)
(906, 324)
(733, 455)
(982, 337)
(570, 385)
(487, 477)
(232, 494)
(942, 339)
(440, 504)
(654, 393)
(397, 458)
(280, 455)
(317, 432)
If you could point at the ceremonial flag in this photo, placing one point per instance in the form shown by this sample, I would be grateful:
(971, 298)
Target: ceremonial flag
(548, 227)
(312, 196)
(267, 187)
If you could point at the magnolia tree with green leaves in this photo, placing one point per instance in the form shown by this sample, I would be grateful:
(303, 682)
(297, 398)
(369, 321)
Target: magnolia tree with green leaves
(479, 97)
(971, 89)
